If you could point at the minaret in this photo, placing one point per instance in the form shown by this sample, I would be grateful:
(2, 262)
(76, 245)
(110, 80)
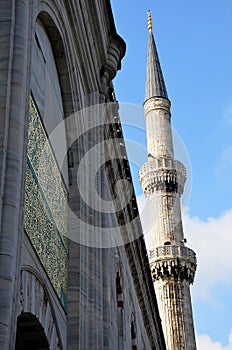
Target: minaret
(172, 264)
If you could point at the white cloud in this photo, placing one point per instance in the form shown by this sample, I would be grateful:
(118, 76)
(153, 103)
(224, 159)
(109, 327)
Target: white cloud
(212, 242)
(204, 342)
(145, 219)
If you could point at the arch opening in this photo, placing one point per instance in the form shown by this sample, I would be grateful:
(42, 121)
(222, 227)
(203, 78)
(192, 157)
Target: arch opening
(30, 333)
(133, 336)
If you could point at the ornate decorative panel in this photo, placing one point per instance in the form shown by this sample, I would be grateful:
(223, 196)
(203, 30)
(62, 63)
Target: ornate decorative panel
(45, 207)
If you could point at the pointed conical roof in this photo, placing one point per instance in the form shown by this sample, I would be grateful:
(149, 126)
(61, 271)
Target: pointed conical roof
(155, 85)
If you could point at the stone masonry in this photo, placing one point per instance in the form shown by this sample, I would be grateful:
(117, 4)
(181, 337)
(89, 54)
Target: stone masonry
(72, 276)
(163, 178)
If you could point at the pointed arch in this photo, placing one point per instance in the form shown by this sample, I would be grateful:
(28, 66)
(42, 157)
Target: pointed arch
(35, 304)
(61, 61)
(133, 333)
(120, 304)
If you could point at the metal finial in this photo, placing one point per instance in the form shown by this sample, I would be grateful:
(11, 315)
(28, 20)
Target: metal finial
(149, 21)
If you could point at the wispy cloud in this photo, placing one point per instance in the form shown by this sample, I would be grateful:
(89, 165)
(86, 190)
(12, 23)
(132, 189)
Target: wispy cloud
(225, 161)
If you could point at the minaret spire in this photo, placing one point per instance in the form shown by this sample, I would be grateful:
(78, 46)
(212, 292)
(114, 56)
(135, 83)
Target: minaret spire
(155, 85)
(172, 264)
(149, 19)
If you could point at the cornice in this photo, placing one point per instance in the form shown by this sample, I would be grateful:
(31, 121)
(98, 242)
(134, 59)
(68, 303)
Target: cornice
(156, 103)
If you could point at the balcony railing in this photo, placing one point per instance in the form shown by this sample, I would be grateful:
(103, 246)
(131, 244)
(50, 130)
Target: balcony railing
(173, 251)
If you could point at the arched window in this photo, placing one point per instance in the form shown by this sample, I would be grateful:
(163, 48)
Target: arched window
(119, 291)
(119, 295)
(133, 337)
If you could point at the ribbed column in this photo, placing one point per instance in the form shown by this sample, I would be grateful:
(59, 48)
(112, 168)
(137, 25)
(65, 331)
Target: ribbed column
(175, 309)
(159, 134)
(166, 219)
(14, 65)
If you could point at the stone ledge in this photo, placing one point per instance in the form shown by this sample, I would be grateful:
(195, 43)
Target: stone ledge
(162, 174)
(156, 103)
(176, 261)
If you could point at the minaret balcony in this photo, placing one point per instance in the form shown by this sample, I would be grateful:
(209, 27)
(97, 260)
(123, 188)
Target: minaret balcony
(173, 261)
(162, 174)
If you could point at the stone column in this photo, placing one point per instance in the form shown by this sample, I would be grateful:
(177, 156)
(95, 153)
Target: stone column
(14, 32)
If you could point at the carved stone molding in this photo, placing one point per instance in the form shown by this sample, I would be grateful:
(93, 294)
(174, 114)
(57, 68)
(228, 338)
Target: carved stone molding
(115, 52)
(162, 175)
(178, 262)
(155, 103)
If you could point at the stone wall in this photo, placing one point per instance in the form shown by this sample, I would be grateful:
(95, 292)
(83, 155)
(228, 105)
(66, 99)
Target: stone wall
(65, 54)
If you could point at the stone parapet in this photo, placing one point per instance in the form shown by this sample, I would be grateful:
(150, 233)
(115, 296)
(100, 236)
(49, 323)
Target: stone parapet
(162, 174)
(173, 261)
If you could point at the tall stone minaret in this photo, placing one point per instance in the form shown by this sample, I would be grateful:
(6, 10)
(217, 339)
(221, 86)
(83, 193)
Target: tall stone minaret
(172, 264)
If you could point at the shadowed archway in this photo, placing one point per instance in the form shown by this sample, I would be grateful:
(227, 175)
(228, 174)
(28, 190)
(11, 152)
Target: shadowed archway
(30, 333)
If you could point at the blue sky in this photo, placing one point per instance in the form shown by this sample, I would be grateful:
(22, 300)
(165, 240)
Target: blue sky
(194, 41)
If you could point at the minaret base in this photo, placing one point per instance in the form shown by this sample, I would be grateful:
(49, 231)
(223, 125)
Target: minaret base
(174, 302)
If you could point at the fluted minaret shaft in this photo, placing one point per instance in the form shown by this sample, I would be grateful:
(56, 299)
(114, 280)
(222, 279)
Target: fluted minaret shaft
(163, 178)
